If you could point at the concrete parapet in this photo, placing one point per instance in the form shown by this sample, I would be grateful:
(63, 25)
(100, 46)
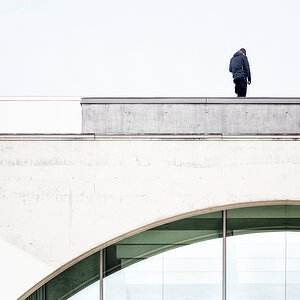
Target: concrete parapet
(228, 116)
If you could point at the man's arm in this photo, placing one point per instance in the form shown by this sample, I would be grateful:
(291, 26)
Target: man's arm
(247, 68)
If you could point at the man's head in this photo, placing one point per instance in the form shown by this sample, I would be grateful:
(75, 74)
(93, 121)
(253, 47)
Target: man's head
(243, 50)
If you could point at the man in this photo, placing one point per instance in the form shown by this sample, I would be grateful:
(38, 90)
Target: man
(240, 69)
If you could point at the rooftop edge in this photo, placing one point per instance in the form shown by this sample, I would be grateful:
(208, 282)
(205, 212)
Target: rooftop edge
(149, 137)
(190, 100)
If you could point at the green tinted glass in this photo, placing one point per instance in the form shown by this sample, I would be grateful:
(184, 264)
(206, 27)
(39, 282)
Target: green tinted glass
(74, 279)
(263, 219)
(160, 239)
(38, 294)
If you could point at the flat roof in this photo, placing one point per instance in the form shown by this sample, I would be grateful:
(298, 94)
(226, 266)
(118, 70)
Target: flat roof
(190, 100)
(148, 137)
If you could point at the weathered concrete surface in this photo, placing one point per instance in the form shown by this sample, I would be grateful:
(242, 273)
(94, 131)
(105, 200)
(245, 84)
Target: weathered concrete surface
(60, 198)
(191, 116)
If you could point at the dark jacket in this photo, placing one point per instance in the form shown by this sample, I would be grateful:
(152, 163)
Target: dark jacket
(239, 66)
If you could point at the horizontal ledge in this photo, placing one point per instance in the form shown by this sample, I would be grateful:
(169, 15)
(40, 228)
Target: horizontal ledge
(190, 100)
(46, 137)
(149, 137)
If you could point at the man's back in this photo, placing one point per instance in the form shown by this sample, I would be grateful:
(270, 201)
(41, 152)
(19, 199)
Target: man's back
(239, 66)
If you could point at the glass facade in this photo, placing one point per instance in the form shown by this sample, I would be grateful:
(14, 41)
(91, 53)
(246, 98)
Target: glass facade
(163, 262)
(263, 253)
(77, 283)
(189, 272)
(256, 266)
(293, 266)
(248, 253)
(91, 292)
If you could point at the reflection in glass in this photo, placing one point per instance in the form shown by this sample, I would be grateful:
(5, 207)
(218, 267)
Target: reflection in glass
(293, 266)
(145, 265)
(39, 294)
(256, 266)
(161, 239)
(189, 272)
(193, 272)
(140, 281)
(263, 246)
(263, 219)
(74, 279)
(91, 292)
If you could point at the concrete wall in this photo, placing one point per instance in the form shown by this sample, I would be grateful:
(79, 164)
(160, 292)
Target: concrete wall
(191, 115)
(60, 196)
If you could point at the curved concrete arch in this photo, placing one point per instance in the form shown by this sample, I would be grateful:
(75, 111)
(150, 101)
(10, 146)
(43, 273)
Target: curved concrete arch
(150, 226)
(65, 197)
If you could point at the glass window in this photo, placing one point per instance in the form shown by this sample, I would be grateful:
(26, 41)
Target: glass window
(38, 294)
(184, 259)
(256, 266)
(262, 253)
(76, 279)
(140, 281)
(263, 219)
(91, 292)
(293, 266)
(193, 272)
(160, 239)
(189, 272)
(157, 263)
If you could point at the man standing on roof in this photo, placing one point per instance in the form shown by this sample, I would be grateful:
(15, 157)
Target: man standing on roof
(240, 69)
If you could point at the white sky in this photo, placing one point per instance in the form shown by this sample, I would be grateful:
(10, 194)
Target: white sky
(138, 48)
(147, 48)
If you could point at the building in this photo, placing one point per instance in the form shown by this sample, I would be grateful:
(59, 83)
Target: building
(162, 198)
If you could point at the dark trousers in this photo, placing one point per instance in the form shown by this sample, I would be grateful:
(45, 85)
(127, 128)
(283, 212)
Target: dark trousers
(240, 86)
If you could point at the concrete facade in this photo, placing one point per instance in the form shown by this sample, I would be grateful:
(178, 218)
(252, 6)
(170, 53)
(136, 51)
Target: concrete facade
(139, 162)
(61, 196)
(133, 116)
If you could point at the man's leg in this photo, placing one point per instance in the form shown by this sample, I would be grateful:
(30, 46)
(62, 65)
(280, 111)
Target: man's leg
(243, 87)
(237, 86)
(240, 87)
